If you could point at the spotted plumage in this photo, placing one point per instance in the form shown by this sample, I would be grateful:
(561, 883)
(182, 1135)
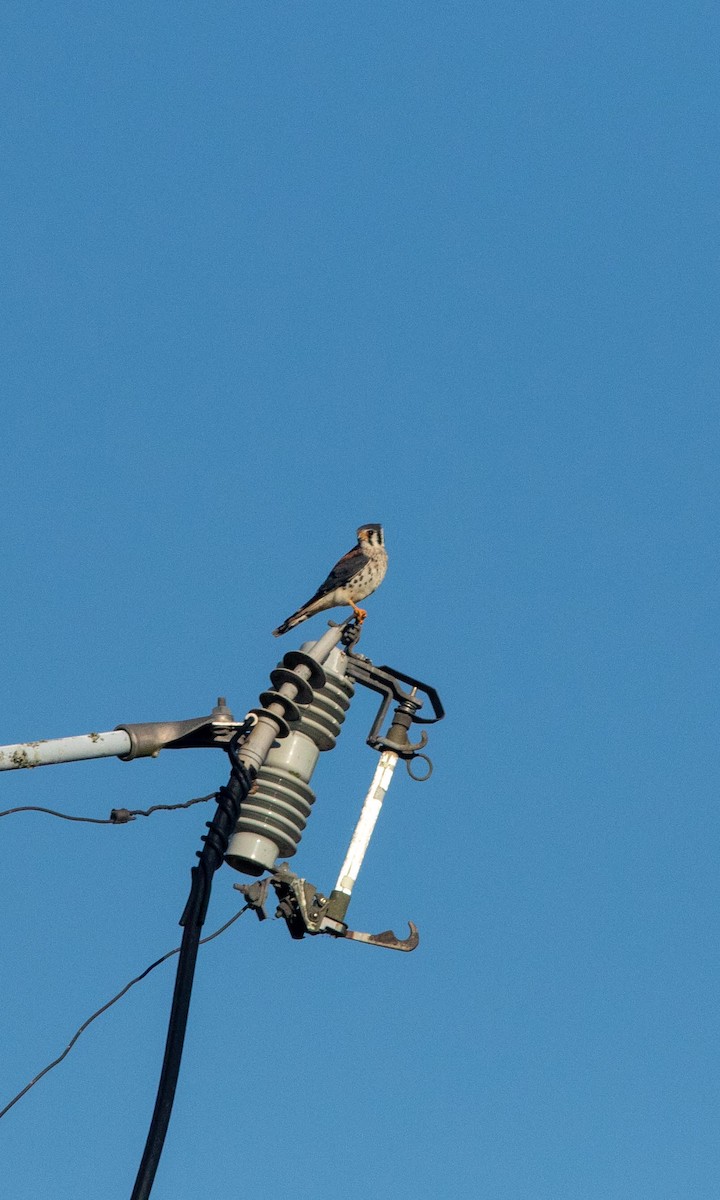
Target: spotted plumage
(354, 577)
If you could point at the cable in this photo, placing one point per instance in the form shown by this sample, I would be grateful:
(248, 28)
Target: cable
(210, 858)
(109, 1004)
(118, 816)
(52, 813)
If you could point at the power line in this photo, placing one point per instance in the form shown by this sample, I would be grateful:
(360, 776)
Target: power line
(118, 816)
(215, 844)
(158, 962)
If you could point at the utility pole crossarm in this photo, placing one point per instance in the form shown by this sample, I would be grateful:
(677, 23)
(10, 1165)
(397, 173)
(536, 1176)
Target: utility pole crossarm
(69, 749)
(126, 741)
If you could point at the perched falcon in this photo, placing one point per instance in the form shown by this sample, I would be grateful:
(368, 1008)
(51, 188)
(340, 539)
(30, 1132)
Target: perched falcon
(356, 576)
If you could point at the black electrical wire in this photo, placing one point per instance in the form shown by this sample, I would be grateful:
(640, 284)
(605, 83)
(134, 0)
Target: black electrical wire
(98, 1013)
(52, 813)
(210, 858)
(118, 816)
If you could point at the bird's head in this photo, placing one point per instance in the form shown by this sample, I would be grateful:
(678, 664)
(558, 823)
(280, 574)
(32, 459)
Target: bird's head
(371, 535)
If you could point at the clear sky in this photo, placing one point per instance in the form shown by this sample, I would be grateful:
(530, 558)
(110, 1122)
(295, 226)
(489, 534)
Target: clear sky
(271, 271)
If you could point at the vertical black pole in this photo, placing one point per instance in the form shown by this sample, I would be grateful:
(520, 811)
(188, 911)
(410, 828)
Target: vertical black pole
(210, 858)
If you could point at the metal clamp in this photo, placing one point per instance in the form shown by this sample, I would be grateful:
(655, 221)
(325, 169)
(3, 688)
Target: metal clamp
(305, 911)
(387, 682)
(148, 738)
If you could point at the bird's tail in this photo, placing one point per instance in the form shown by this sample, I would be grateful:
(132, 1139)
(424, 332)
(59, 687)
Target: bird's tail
(315, 604)
(291, 622)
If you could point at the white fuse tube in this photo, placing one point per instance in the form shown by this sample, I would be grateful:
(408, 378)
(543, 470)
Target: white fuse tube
(366, 824)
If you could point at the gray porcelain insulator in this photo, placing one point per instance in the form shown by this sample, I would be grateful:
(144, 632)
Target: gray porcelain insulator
(274, 815)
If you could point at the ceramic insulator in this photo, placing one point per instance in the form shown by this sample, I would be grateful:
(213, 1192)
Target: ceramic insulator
(274, 815)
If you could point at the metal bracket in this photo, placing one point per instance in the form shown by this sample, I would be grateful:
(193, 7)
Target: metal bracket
(386, 680)
(305, 911)
(148, 738)
(256, 895)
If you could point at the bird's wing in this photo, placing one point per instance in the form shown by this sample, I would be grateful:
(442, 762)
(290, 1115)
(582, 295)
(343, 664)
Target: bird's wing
(342, 572)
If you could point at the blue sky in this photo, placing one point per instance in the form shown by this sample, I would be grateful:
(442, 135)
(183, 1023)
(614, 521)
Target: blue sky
(270, 272)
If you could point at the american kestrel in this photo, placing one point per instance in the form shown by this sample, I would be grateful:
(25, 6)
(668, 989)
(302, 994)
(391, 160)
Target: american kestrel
(354, 577)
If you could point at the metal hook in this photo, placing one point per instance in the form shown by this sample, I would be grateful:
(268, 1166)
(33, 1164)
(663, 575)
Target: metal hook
(387, 939)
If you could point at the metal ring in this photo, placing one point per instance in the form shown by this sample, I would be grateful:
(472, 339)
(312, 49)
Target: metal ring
(419, 778)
